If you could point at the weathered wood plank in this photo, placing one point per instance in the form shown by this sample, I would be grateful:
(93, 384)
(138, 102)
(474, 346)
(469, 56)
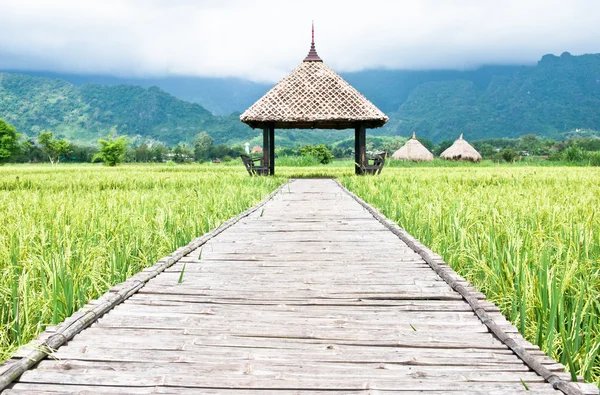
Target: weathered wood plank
(483, 389)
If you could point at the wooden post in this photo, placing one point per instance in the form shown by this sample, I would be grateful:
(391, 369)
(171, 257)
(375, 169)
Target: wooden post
(266, 146)
(272, 150)
(360, 150)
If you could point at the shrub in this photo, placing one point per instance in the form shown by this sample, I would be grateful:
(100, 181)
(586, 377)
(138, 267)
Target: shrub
(112, 151)
(9, 141)
(573, 154)
(318, 151)
(594, 158)
(509, 155)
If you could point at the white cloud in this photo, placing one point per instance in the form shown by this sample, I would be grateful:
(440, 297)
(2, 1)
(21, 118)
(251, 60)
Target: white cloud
(265, 39)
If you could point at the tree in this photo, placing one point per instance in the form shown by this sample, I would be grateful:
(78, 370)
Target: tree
(9, 141)
(530, 143)
(318, 151)
(573, 154)
(142, 153)
(509, 155)
(112, 151)
(159, 153)
(202, 146)
(54, 148)
(182, 153)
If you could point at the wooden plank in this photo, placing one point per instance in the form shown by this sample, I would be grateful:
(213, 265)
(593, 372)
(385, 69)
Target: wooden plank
(482, 389)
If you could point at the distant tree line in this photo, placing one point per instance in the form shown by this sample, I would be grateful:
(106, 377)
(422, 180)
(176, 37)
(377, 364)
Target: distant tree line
(114, 150)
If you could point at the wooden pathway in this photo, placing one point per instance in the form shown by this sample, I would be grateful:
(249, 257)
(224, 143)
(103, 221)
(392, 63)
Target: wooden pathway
(308, 294)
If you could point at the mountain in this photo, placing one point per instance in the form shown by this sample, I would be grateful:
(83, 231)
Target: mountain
(551, 99)
(387, 89)
(221, 96)
(86, 113)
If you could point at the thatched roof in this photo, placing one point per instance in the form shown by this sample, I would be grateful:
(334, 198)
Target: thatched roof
(461, 150)
(313, 96)
(413, 150)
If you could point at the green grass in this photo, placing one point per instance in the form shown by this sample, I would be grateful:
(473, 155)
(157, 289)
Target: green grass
(527, 237)
(70, 232)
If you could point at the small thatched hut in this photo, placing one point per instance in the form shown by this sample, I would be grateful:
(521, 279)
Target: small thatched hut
(413, 150)
(461, 150)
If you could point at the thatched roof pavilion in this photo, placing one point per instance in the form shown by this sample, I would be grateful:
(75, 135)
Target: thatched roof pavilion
(413, 150)
(461, 150)
(313, 96)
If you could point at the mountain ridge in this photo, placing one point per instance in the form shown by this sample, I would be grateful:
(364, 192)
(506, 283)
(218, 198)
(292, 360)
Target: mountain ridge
(558, 94)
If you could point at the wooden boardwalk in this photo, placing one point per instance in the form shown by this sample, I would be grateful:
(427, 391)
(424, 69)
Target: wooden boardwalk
(309, 294)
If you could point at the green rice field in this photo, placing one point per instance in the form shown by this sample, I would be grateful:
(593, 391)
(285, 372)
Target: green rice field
(70, 232)
(528, 237)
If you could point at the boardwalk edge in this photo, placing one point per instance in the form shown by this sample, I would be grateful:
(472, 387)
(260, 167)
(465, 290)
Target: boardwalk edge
(46, 342)
(456, 282)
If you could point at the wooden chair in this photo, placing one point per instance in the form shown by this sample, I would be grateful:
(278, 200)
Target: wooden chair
(255, 166)
(377, 165)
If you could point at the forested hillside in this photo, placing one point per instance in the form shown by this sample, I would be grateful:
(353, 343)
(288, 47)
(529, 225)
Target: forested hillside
(88, 112)
(551, 99)
(558, 95)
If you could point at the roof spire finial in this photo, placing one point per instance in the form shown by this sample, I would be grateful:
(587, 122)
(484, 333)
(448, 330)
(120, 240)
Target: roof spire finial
(312, 54)
(414, 135)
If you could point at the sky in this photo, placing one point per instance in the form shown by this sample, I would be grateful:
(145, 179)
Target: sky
(263, 40)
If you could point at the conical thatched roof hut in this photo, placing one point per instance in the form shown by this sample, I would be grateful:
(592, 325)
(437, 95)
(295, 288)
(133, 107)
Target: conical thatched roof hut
(461, 150)
(314, 96)
(413, 150)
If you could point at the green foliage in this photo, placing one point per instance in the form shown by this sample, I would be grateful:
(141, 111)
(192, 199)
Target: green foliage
(203, 142)
(554, 99)
(509, 155)
(183, 153)
(318, 151)
(9, 141)
(286, 151)
(112, 151)
(297, 161)
(573, 154)
(54, 148)
(83, 114)
(159, 153)
(550, 99)
(594, 158)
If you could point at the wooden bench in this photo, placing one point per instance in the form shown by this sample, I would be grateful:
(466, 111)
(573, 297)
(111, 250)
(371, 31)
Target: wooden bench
(377, 165)
(255, 166)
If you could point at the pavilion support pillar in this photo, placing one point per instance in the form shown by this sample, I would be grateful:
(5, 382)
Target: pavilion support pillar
(272, 150)
(266, 146)
(269, 149)
(360, 149)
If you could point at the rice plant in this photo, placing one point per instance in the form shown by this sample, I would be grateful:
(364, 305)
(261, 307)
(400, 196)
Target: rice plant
(527, 237)
(68, 233)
